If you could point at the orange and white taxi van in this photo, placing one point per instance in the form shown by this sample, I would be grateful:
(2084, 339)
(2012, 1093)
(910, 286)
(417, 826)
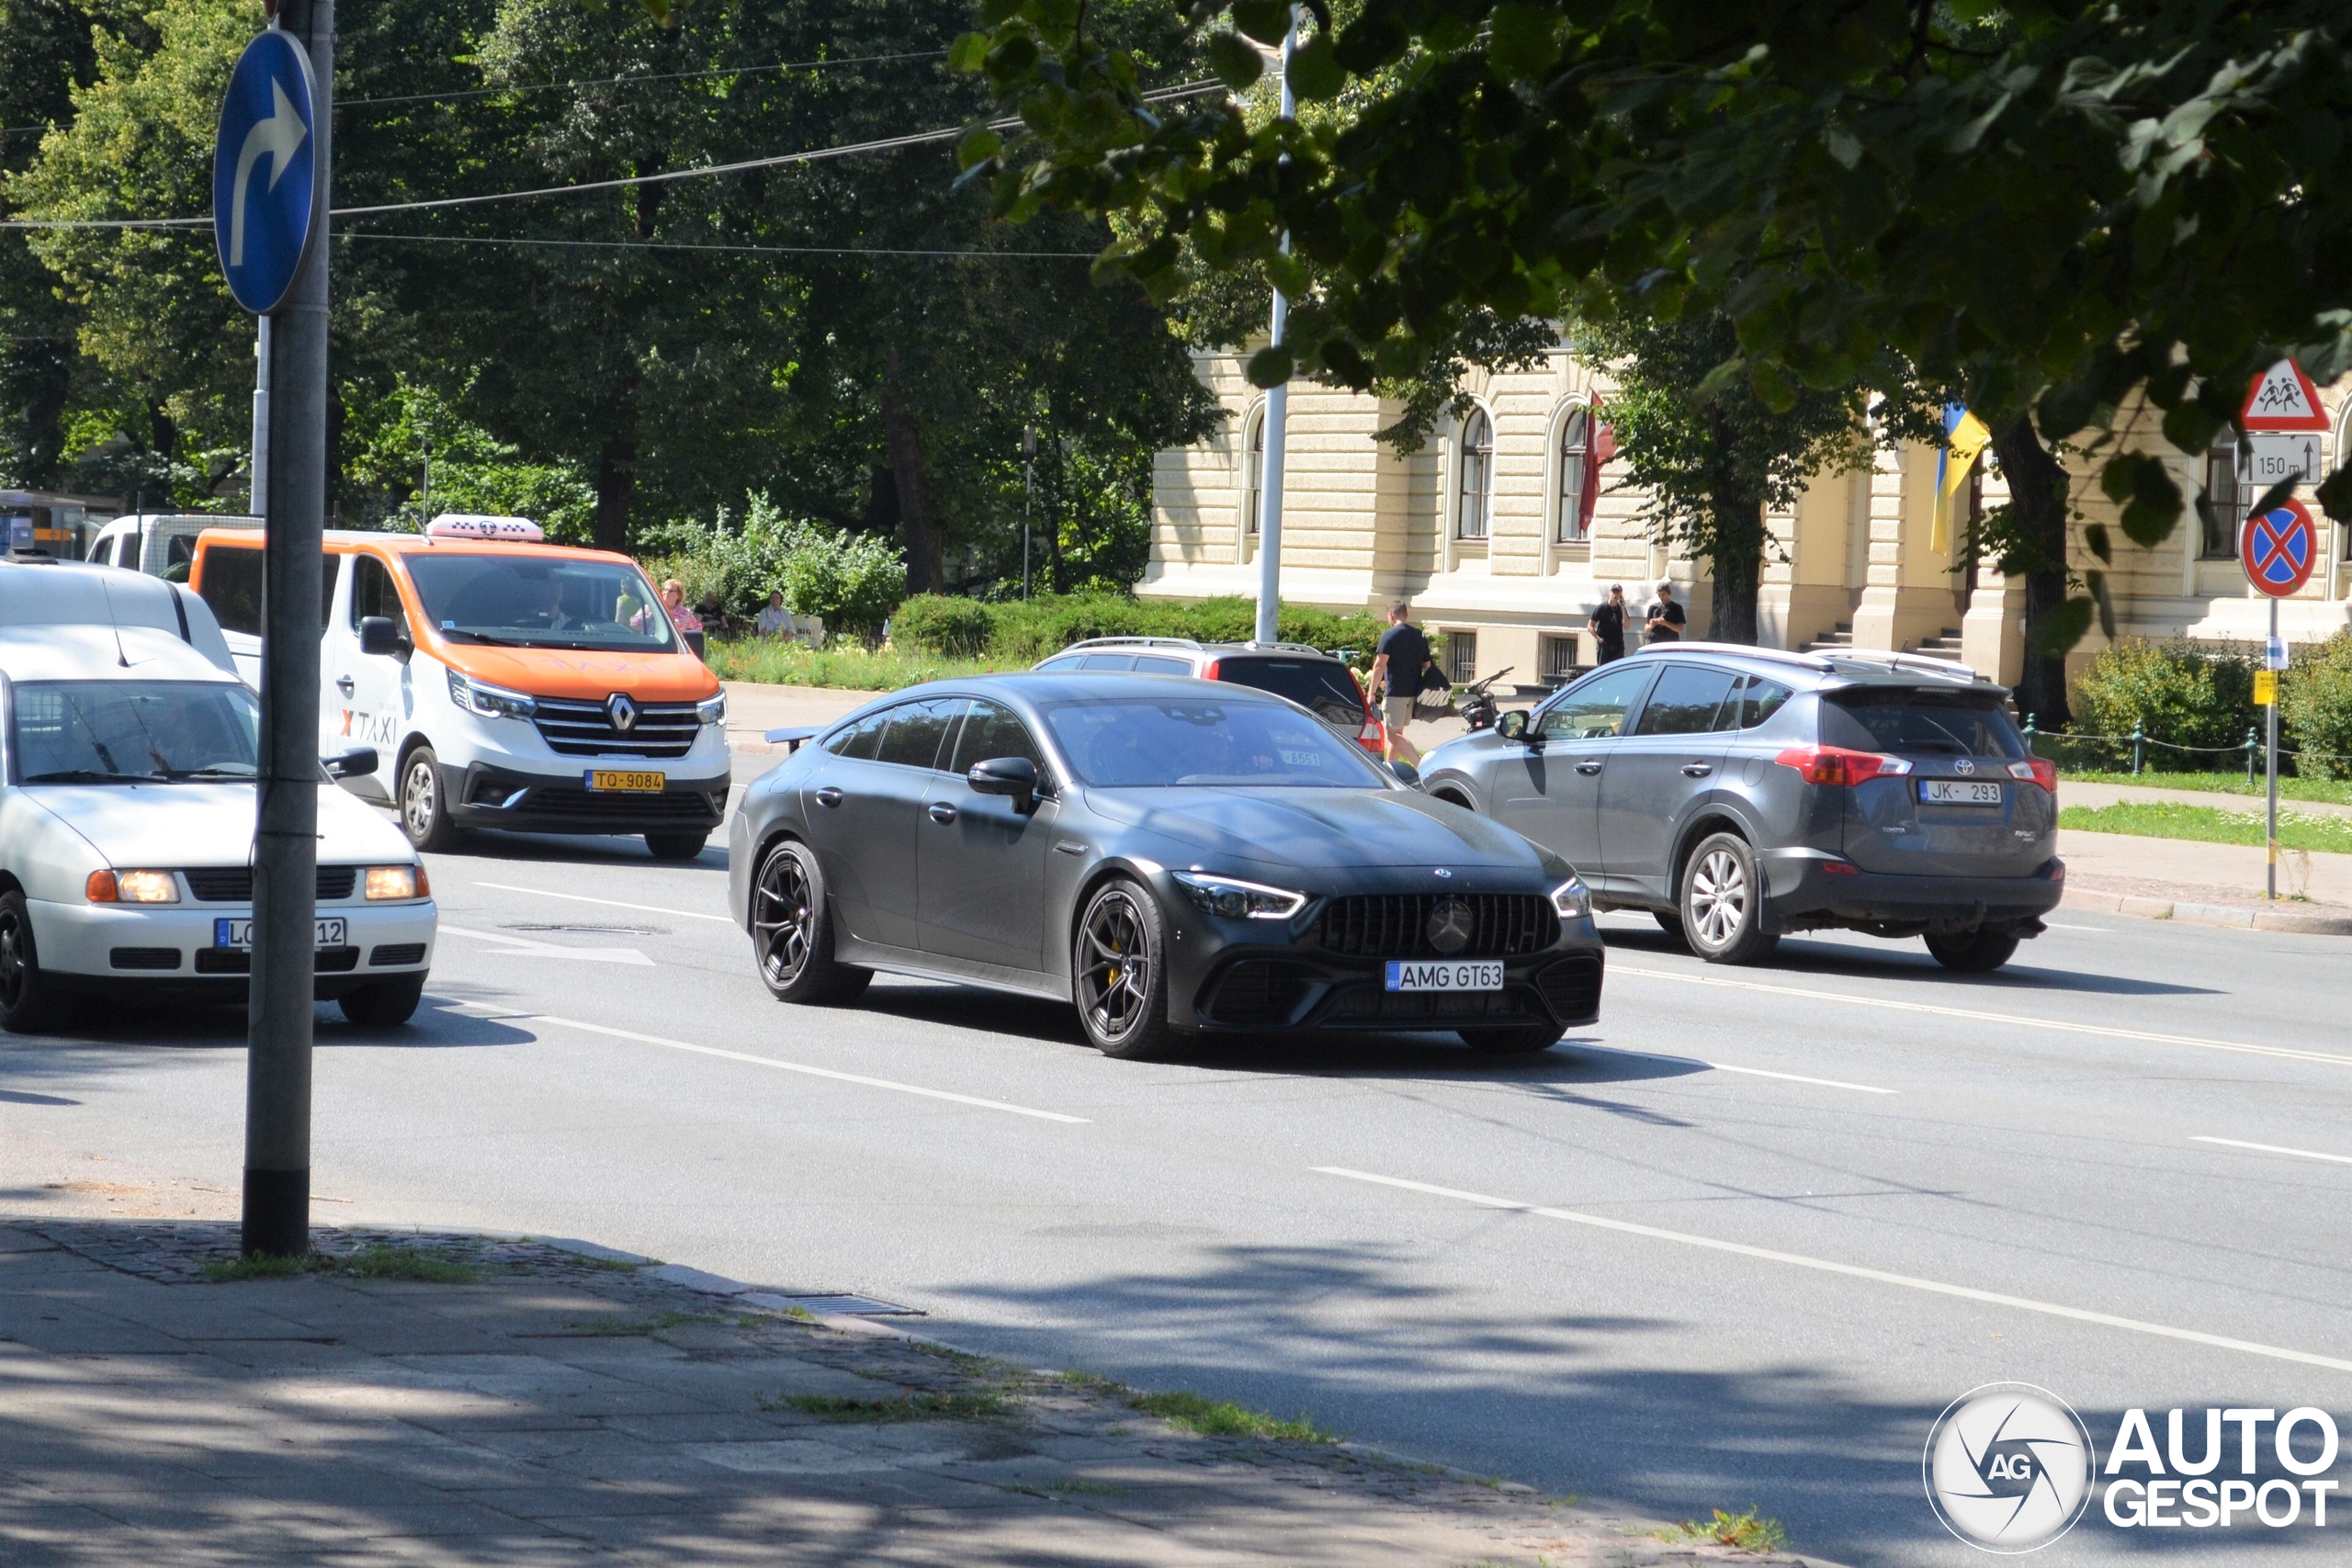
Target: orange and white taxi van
(527, 685)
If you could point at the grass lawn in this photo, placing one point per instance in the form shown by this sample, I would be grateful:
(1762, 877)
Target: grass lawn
(779, 663)
(2331, 835)
(2338, 792)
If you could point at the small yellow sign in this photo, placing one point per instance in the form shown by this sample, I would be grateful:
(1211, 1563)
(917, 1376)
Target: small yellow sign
(2266, 687)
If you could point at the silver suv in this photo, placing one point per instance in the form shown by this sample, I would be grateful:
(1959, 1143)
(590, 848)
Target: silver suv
(1316, 681)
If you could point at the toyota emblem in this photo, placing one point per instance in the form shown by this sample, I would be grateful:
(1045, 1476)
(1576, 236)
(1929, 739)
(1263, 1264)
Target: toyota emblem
(1451, 925)
(1963, 765)
(621, 711)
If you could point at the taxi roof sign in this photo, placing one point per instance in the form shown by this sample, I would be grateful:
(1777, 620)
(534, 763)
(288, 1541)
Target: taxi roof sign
(2282, 398)
(479, 525)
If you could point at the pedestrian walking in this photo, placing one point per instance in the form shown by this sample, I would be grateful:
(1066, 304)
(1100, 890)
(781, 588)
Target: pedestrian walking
(1397, 668)
(1666, 620)
(1607, 624)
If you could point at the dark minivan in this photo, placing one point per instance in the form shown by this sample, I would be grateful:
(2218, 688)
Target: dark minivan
(1740, 794)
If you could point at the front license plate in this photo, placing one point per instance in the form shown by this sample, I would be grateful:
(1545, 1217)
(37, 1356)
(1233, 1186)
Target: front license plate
(239, 933)
(1445, 975)
(1958, 792)
(626, 782)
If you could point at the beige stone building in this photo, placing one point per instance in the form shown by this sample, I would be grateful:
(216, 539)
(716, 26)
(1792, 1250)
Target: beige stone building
(1497, 533)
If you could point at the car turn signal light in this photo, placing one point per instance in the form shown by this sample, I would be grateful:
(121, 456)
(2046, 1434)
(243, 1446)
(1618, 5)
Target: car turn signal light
(131, 887)
(2037, 770)
(1836, 765)
(396, 882)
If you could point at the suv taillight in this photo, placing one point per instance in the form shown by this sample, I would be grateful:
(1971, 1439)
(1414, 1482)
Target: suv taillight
(2037, 770)
(1836, 765)
(1208, 671)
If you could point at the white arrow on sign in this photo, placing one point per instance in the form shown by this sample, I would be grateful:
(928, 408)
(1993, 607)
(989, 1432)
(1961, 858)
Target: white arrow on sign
(276, 137)
(522, 947)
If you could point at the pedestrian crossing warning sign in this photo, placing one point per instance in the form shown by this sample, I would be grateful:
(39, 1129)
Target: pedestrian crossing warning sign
(2282, 398)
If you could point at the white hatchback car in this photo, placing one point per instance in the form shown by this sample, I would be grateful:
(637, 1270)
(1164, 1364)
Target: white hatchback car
(126, 815)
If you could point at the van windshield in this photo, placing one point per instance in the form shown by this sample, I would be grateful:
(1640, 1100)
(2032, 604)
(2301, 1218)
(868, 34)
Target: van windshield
(134, 732)
(520, 601)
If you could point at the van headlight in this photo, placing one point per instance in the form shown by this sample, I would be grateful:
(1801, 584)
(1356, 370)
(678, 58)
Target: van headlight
(712, 710)
(1238, 900)
(1571, 899)
(397, 882)
(492, 702)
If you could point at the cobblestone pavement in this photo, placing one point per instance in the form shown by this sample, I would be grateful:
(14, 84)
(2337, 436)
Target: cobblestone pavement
(527, 1402)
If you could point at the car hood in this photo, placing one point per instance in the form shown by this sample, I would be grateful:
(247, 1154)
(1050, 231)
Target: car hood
(209, 824)
(590, 674)
(1318, 829)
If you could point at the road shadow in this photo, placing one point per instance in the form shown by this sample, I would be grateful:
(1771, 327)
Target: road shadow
(1797, 956)
(101, 1039)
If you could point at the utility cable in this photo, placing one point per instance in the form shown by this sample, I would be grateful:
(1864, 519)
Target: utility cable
(737, 250)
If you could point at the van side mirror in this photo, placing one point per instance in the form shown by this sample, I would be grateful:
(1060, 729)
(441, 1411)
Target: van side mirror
(1015, 777)
(1512, 725)
(382, 636)
(355, 763)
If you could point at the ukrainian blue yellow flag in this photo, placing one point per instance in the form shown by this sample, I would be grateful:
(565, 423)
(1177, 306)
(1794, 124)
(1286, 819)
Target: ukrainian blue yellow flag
(1965, 438)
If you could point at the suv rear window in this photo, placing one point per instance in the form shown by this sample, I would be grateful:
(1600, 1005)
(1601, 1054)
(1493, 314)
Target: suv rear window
(1894, 718)
(1324, 687)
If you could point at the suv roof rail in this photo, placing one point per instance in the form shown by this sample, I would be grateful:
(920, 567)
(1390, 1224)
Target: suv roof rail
(1255, 647)
(1133, 642)
(1925, 663)
(1740, 649)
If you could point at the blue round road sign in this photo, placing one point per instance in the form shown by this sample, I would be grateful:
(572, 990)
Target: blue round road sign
(264, 174)
(2278, 549)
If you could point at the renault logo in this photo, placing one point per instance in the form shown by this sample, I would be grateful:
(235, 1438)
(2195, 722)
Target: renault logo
(1451, 925)
(621, 711)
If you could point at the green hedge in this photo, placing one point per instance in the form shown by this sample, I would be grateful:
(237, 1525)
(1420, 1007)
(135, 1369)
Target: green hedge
(2187, 695)
(2315, 707)
(1022, 632)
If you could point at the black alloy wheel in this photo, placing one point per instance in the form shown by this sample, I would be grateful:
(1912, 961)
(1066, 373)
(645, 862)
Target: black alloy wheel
(425, 807)
(28, 1000)
(1118, 973)
(792, 931)
(1979, 951)
(1723, 903)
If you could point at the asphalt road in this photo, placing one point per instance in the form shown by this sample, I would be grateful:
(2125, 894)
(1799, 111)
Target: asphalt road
(1737, 1244)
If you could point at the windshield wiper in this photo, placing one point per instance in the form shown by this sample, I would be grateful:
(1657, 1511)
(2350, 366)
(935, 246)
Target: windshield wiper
(481, 637)
(241, 772)
(91, 775)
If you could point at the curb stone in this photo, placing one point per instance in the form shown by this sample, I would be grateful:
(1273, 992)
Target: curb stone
(2235, 917)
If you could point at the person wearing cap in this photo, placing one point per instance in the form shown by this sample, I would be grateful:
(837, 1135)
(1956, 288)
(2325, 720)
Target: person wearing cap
(1666, 620)
(1607, 624)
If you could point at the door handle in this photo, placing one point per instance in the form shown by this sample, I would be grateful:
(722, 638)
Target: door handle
(345, 684)
(830, 796)
(1697, 770)
(941, 813)
(1589, 766)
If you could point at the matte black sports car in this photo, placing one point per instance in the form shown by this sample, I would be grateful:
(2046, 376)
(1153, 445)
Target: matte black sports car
(1176, 857)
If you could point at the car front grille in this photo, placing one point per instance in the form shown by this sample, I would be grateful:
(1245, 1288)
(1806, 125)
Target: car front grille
(145, 958)
(1259, 994)
(574, 729)
(1428, 1010)
(1396, 925)
(239, 961)
(685, 807)
(234, 884)
(395, 954)
(1571, 986)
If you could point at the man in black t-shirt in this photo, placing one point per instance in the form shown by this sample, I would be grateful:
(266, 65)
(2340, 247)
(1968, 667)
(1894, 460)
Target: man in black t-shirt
(1666, 621)
(1397, 668)
(1607, 626)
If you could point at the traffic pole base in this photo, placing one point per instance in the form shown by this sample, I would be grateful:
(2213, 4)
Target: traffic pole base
(278, 1214)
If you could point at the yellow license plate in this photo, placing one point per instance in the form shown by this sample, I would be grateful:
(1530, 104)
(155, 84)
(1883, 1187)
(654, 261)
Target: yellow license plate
(633, 784)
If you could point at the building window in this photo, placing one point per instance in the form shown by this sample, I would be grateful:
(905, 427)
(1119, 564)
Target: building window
(2227, 508)
(1253, 473)
(1559, 657)
(1477, 500)
(1575, 477)
(1461, 657)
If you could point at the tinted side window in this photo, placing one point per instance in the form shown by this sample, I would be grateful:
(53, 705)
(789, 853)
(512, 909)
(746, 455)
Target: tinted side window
(1595, 708)
(863, 739)
(991, 731)
(1160, 664)
(373, 591)
(1067, 661)
(1760, 701)
(232, 588)
(1109, 661)
(1687, 699)
(917, 731)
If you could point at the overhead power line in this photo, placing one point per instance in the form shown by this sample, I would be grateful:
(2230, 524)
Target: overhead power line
(818, 154)
(632, 80)
(738, 249)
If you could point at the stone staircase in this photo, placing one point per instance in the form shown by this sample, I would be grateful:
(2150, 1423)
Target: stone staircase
(1838, 641)
(1944, 644)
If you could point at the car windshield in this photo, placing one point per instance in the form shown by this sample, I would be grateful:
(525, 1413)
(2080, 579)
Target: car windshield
(134, 731)
(1953, 724)
(1141, 742)
(532, 601)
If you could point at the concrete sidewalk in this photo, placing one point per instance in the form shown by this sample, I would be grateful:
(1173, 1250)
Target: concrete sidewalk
(553, 1402)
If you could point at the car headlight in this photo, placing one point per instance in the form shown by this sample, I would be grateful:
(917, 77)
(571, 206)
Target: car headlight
(1572, 900)
(1238, 900)
(131, 887)
(397, 882)
(712, 710)
(492, 702)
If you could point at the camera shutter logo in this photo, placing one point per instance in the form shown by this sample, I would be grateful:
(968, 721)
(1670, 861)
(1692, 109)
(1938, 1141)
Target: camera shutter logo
(2008, 1467)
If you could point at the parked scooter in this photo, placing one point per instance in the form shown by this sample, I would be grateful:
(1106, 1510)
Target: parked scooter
(1477, 703)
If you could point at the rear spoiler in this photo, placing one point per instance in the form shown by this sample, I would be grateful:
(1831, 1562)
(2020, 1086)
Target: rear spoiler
(794, 738)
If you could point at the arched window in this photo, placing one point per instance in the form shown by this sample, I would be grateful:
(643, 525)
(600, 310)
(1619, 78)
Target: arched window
(1253, 473)
(1477, 501)
(1575, 477)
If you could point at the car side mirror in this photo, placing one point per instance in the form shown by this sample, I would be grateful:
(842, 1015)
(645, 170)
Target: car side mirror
(355, 763)
(384, 637)
(1406, 774)
(1512, 725)
(1015, 777)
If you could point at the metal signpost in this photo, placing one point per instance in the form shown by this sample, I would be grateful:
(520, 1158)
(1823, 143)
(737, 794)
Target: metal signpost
(1277, 417)
(2279, 548)
(270, 204)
